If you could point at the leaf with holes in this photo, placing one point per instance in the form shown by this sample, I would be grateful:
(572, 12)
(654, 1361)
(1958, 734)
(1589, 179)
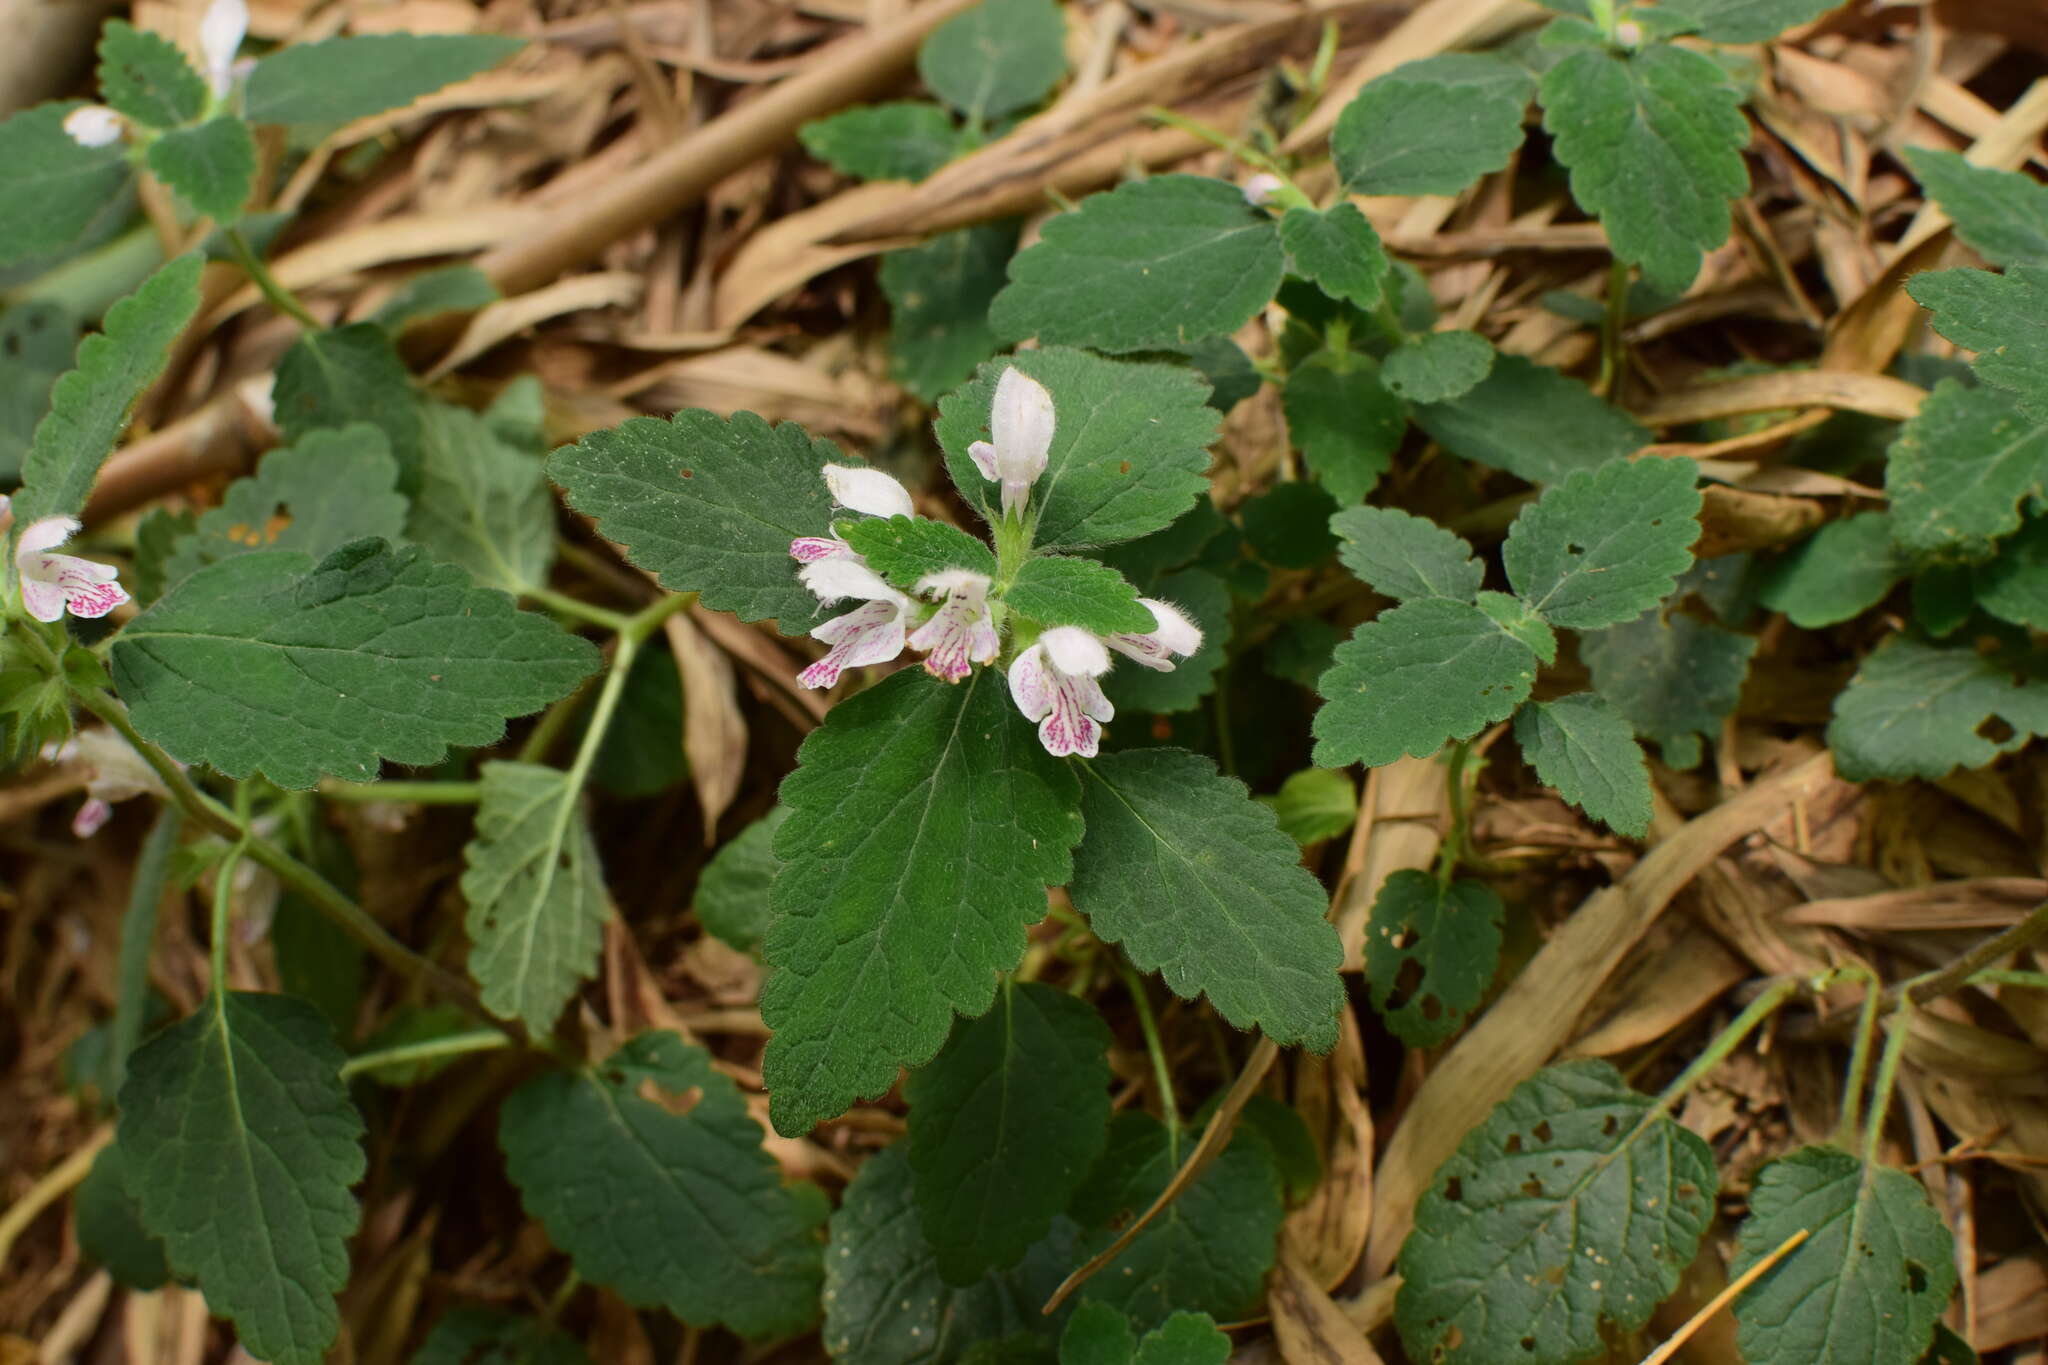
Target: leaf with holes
(1580, 566)
(1587, 751)
(1055, 590)
(1654, 140)
(885, 1301)
(241, 1143)
(1405, 556)
(1128, 450)
(2003, 318)
(1431, 949)
(1536, 423)
(1567, 1215)
(145, 77)
(2003, 215)
(996, 58)
(270, 662)
(1432, 126)
(341, 79)
(902, 140)
(1160, 262)
(1344, 421)
(649, 1171)
(1919, 710)
(708, 504)
(1197, 882)
(1004, 1124)
(1837, 573)
(1419, 676)
(90, 406)
(939, 295)
(536, 896)
(1869, 1283)
(925, 823)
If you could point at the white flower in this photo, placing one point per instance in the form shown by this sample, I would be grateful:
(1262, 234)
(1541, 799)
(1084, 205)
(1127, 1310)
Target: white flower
(1054, 683)
(1259, 190)
(961, 633)
(94, 125)
(1173, 635)
(118, 774)
(1021, 420)
(220, 36)
(872, 634)
(867, 491)
(51, 583)
(1628, 33)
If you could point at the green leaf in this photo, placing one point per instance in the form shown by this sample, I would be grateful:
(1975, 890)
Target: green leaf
(1587, 751)
(344, 79)
(483, 503)
(1746, 21)
(1674, 677)
(1532, 421)
(211, 165)
(641, 753)
(475, 1335)
(1337, 249)
(1159, 262)
(2003, 215)
(1055, 590)
(1198, 883)
(329, 489)
(925, 824)
(2003, 318)
(1569, 1213)
(351, 374)
(241, 1144)
(1207, 1252)
(902, 140)
(1432, 126)
(37, 339)
(1098, 1334)
(145, 77)
(1289, 524)
(436, 293)
(939, 296)
(536, 896)
(2014, 586)
(52, 189)
(1581, 566)
(681, 1210)
(906, 549)
(1128, 448)
(1423, 674)
(1958, 471)
(1204, 599)
(1837, 573)
(885, 1302)
(1004, 1125)
(997, 58)
(108, 1220)
(732, 895)
(1870, 1282)
(1654, 140)
(89, 407)
(1314, 804)
(708, 505)
(270, 662)
(1431, 949)
(1344, 421)
(1404, 556)
(1917, 710)
(1437, 367)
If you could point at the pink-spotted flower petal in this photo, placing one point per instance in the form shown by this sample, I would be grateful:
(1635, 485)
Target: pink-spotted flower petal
(870, 634)
(961, 633)
(1172, 636)
(52, 584)
(811, 549)
(1021, 420)
(1069, 706)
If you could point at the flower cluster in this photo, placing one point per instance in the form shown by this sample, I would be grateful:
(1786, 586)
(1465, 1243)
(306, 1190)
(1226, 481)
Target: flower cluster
(221, 30)
(52, 584)
(949, 615)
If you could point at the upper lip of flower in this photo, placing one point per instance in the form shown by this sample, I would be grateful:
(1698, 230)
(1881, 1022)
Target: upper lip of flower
(1021, 420)
(221, 32)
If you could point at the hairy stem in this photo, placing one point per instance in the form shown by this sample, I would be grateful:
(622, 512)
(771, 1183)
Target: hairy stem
(1162, 1074)
(273, 289)
(454, 1045)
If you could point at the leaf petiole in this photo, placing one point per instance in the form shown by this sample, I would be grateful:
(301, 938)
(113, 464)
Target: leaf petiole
(1162, 1074)
(272, 288)
(454, 1045)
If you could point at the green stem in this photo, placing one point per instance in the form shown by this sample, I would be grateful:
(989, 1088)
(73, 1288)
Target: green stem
(1611, 328)
(1933, 985)
(1859, 1053)
(1725, 1042)
(633, 633)
(2000, 976)
(1455, 846)
(223, 901)
(1162, 1075)
(415, 793)
(1887, 1078)
(281, 298)
(454, 1045)
(581, 610)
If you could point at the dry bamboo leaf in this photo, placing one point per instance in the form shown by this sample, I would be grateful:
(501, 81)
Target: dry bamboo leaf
(507, 318)
(1980, 903)
(714, 731)
(1654, 994)
(1876, 394)
(1325, 1235)
(1534, 1016)
(2012, 1302)
(1400, 823)
(1310, 1328)
(1736, 521)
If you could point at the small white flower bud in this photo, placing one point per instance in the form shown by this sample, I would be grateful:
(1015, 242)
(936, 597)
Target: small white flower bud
(93, 125)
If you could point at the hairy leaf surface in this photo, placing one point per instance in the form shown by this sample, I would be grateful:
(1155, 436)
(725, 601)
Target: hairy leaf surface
(1425, 673)
(1579, 565)
(1431, 949)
